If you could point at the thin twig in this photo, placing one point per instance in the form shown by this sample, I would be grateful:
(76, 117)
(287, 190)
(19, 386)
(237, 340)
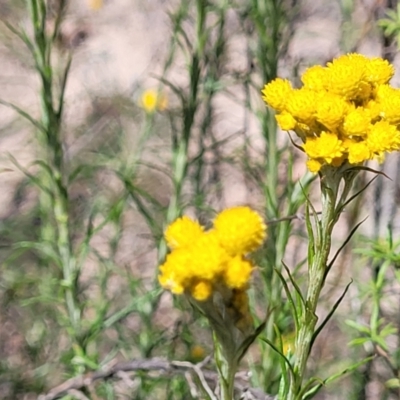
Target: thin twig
(154, 364)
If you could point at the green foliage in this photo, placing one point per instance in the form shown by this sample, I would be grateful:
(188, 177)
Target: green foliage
(391, 24)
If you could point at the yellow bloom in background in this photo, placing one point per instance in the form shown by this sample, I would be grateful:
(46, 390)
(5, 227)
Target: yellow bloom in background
(95, 4)
(240, 230)
(197, 352)
(346, 112)
(183, 232)
(153, 100)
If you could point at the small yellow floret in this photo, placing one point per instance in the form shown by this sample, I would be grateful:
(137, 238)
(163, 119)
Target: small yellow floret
(238, 272)
(183, 232)
(383, 137)
(302, 104)
(358, 152)
(201, 291)
(286, 121)
(176, 272)
(379, 71)
(276, 93)
(330, 111)
(240, 230)
(208, 257)
(346, 74)
(314, 166)
(357, 122)
(315, 78)
(327, 147)
(389, 102)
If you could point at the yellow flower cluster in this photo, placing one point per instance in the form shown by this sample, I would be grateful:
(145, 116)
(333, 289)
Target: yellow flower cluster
(202, 262)
(344, 112)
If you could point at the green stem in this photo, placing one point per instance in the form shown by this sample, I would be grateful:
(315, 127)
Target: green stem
(316, 279)
(56, 204)
(227, 367)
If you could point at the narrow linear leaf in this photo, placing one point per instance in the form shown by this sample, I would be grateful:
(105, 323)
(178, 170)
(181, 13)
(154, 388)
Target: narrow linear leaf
(24, 114)
(353, 231)
(311, 393)
(294, 283)
(329, 316)
(279, 352)
(35, 180)
(284, 375)
(343, 206)
(290, 298)
(63, 87)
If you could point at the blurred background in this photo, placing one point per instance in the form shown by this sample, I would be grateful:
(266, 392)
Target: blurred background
(152, 83)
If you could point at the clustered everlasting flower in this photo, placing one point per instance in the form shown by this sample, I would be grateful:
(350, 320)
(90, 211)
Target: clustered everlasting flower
(345, 112)
(202, 262)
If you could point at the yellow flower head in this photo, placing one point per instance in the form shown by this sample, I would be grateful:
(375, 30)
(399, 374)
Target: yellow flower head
(203, 262)
(183, 232)
(240, 230)
(153, 100)
(276, 93)
(345, 111)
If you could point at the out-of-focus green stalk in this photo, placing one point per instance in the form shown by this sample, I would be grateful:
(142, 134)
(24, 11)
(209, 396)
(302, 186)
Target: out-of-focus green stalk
(180, 142)
(55, 204)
